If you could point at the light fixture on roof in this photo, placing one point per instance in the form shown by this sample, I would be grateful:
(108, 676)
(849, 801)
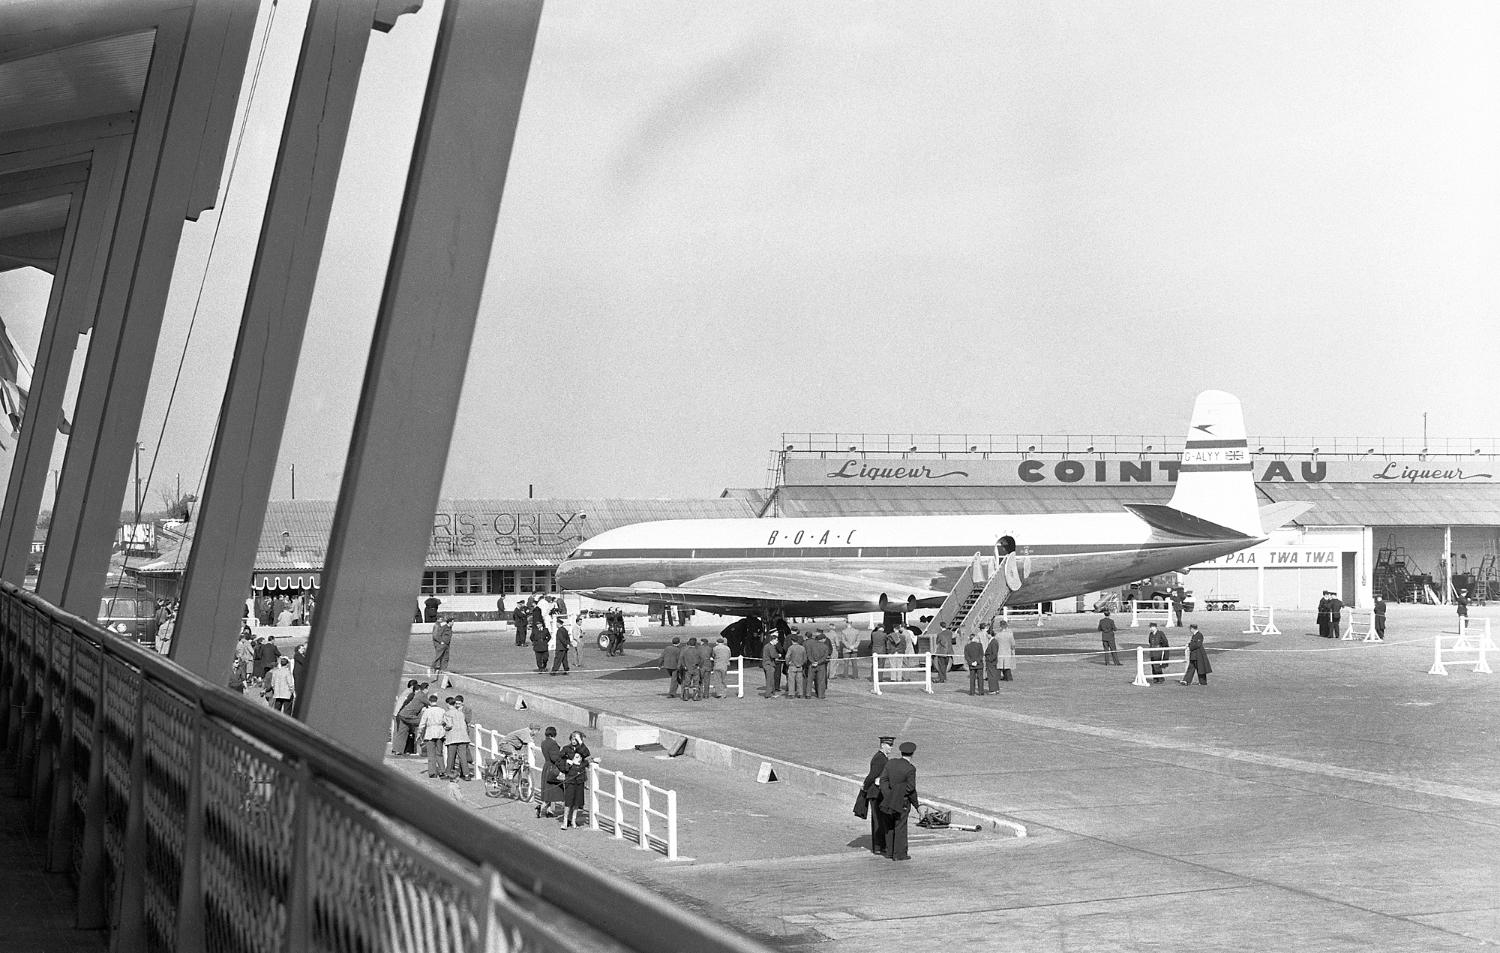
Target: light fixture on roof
(1031, 449)
(976, 448)
(1089, 450)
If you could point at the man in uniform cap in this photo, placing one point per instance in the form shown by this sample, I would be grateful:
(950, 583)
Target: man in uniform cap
(898, 795)
(867, 802)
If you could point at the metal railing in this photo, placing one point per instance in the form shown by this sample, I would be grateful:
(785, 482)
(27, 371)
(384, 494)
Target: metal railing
(612, 807)
(884, 444)
(193, 819)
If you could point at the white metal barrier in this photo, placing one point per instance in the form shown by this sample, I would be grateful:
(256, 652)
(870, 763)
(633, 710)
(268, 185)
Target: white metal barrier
(1471, 634)
(1011, 612)
(1153, 611)
(639, 818)
(734, 677)
(1262, 621)
(1142, 663)
(1481, 646)
(898, 665)
(1361, 626)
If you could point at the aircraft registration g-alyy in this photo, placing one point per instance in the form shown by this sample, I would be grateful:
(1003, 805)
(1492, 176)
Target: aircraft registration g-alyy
(843, 565)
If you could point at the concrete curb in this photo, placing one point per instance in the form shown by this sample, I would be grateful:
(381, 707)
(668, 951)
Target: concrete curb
(799, 776)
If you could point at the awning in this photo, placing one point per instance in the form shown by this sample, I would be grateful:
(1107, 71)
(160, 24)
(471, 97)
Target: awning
(264, 580)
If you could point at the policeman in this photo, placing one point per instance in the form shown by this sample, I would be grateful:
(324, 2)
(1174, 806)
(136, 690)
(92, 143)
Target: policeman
(898, 797)
(867, 802)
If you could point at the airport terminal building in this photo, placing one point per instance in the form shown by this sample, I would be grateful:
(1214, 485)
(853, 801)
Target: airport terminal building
(1386, 514)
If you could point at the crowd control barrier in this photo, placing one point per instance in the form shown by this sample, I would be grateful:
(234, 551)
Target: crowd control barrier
(1361, 626)
(1472, 633)
(1262, 621)
(1156, 611)
(649, 819)
(1143, 662)
(1477, 646)
(734, 677)
(189, 817)
(1011, 612)
(888, 669)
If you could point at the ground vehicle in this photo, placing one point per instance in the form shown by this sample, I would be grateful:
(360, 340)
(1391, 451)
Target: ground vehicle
(508, 777)
(127, 610)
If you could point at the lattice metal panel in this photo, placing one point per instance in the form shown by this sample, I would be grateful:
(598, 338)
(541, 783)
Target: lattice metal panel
(58, 668)
(85, 688)
(373, 891)
(249, 801)
(121, 693)
(169, 767)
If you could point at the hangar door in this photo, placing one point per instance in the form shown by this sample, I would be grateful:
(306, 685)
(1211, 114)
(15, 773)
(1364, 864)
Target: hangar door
(1299, 588)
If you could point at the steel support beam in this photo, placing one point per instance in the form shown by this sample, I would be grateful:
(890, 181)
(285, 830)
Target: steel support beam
(122, 353)
(70, 309)
(253, 417)
(423, 332)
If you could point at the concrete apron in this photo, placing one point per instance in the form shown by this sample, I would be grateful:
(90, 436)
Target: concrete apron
(621, 733)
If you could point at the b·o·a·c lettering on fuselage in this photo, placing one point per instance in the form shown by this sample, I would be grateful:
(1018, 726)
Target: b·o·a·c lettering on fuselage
(854, 470)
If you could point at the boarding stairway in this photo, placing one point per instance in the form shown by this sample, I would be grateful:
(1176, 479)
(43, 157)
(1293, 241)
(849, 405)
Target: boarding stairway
(980, 592)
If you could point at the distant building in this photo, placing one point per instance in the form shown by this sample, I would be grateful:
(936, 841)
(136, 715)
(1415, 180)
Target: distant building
(480, 549)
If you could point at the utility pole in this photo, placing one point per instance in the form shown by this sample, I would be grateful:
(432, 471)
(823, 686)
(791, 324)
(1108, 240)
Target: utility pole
(138, 448)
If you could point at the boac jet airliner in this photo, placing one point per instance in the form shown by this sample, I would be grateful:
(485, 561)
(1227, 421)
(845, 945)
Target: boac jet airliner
(841, 565)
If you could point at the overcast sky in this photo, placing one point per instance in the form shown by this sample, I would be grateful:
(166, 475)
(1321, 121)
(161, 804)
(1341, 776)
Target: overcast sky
(727, 221)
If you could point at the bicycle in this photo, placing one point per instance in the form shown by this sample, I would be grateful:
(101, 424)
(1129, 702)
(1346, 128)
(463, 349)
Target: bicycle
(508, 778)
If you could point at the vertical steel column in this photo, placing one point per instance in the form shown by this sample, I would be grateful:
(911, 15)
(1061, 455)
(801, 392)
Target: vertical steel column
(117, 379)
(404, 422)
(263, 372)
(70, 309)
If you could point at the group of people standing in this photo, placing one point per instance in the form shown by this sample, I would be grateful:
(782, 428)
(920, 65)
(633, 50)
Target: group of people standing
(798, 663)
(887, 797)
(262, 670)
(440, 729)
(285, 609)
(990, 655)
(1330, 607)
(691, 667)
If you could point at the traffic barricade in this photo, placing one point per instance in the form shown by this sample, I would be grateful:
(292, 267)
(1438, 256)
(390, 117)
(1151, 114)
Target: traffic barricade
(1144, 661)
(1361, 626)
(1475, 645)
(1262, 621)
(1153, 611)
(888, 669)
(633, 808)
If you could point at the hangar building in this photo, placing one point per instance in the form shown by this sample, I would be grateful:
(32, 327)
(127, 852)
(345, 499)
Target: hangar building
(1386, 513)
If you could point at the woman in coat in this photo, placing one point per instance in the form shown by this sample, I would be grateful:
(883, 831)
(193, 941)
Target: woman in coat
(552, 789)
(1197, 658)
(1006, 653)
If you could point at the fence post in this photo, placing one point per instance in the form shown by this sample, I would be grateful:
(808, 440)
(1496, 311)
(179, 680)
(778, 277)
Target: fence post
(741, 669)
(1270, 627)
(1140, 667)
(927, 672)
(875, 673)
(93, 901)
(1484, 663)
(643, 830)
(1135, 620)
(619, 804)
(129, 933)
(671, 825)
(1437, 657)
(593, 798)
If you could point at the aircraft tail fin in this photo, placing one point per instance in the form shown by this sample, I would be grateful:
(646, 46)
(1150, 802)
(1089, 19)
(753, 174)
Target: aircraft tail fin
(1216, 479)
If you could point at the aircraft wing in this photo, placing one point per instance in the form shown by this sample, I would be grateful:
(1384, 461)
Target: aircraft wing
(743, 591)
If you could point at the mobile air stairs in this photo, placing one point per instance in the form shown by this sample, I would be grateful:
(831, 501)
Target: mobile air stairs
(984, 587)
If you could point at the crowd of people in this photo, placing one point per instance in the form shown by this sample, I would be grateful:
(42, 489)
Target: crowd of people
(262, 671)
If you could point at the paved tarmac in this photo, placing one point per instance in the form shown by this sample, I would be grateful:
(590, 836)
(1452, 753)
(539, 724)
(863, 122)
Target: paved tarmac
(1316, 795)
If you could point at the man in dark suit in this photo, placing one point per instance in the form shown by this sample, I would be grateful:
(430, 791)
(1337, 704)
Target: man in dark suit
(1380, 616)
(867, 803)
(898, 796)
(1157, 639)
(974, 659)
(1335, 610)
(992, 664)
(1323, 615)
(671, 663)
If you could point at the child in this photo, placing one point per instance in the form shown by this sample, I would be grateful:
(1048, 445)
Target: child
(575, 774)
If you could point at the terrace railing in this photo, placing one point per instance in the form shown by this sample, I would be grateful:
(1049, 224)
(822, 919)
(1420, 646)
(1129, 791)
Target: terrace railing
(193, 819)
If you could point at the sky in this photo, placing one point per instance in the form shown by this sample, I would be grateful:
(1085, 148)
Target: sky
(725, 222)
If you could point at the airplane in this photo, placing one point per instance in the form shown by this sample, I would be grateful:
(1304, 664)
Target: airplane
(836, 566)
